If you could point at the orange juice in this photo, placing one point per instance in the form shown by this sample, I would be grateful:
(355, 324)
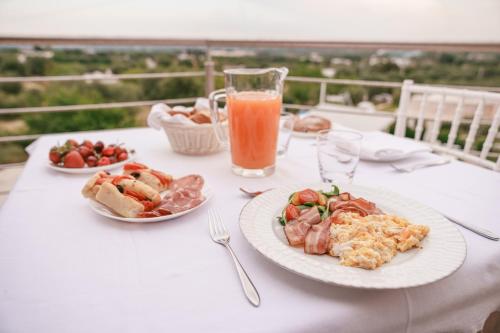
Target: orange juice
(253, 128)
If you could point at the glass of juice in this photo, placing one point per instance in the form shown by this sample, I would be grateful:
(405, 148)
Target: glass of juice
(253, 104)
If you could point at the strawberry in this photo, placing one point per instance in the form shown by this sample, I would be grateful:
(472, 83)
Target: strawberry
(73, 159)
(98, 147)
(85, 151)
(91, 161)
(108, 151)
(71, 142)
(88, 144)
(112, 160)
(54, 155)
(103, 161)
(122, 156)
(118, 151)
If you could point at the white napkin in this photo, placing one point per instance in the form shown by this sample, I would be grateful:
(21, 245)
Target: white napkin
(379, 146)
(159, 113)
(202, 103)
(420, 159)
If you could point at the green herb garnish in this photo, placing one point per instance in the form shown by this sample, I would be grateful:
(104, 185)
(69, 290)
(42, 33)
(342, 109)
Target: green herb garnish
(335, 191)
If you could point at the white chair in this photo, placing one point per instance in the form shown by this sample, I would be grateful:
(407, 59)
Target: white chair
(425, 109)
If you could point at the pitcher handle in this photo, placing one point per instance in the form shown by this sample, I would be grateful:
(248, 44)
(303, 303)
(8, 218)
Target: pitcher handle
(220, 133)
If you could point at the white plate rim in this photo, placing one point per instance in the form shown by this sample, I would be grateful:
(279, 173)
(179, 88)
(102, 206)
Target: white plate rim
(132, 157)
(286, 257)
(102, 210)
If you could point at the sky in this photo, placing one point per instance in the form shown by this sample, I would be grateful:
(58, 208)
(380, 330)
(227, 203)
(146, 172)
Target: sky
(330, 20)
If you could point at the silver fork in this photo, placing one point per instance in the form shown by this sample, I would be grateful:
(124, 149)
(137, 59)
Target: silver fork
(220, 235)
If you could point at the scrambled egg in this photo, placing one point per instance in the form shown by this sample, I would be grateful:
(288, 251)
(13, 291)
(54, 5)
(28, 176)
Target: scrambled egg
(370, 241)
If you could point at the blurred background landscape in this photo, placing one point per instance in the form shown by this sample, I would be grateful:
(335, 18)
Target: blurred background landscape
(457, 68)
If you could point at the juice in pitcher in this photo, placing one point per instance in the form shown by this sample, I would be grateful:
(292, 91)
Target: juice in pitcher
(253, 128)
(253, 104)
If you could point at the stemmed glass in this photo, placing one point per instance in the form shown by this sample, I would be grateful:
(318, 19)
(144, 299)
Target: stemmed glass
(338, 155)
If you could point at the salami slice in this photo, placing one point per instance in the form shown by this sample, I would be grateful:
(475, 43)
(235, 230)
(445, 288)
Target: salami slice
(181, 200)
(185, 193)
(191, 182)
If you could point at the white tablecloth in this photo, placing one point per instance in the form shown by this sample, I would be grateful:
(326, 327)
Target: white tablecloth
(65, 269)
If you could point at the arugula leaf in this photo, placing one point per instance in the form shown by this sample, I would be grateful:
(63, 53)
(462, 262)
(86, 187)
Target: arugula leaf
(282, 221)
(309, 204)
(334, 191)
(321, 209)
(282, 218)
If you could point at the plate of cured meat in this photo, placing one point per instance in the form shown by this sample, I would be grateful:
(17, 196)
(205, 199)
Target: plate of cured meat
(141, 194)
(353, 236)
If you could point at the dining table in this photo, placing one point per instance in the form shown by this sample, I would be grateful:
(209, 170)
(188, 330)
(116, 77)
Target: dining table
(64, 268)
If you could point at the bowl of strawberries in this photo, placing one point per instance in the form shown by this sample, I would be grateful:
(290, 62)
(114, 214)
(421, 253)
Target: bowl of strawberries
(85, 157)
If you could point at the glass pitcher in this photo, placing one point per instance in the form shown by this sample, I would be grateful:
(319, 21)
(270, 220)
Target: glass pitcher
(253, 105)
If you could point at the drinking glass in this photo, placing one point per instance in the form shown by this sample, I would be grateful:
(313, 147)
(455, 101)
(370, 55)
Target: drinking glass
(287, 120)
(338, 155)
(253, 103)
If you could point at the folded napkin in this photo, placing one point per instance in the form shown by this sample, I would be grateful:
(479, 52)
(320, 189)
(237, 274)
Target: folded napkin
(159, 113)
(421, 159)
(379, 146)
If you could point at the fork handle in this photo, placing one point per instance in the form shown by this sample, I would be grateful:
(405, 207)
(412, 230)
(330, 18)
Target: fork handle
(248, 287)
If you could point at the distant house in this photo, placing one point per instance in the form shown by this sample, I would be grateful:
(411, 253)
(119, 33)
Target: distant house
(315, 57)
(150, 63)
(184, 56)
(383, 98)
(328, 72)
(232, 53)
(402, 59)
(106, 77)
(341, 61)
(26, 53)
(343, 98)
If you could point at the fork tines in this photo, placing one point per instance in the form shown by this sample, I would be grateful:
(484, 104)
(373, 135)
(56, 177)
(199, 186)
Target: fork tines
(218, 231)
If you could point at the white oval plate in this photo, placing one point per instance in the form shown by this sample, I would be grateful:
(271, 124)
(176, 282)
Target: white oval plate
(132, 157)
(305, 135)
(443, 251)
(106, 212)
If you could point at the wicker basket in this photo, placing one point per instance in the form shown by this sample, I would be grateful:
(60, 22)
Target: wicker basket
(196, 139)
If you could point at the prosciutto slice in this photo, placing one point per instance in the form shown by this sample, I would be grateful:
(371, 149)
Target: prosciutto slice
(310, 216)
(190, 182)
(184, 193)
(181, 200)
(296, 231)
(361, 206)
(316, 241)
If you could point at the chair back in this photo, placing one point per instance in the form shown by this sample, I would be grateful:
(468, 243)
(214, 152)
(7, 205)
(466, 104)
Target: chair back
(459, 122)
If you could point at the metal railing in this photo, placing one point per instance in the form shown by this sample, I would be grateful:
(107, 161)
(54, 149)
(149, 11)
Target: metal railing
(323, 82)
